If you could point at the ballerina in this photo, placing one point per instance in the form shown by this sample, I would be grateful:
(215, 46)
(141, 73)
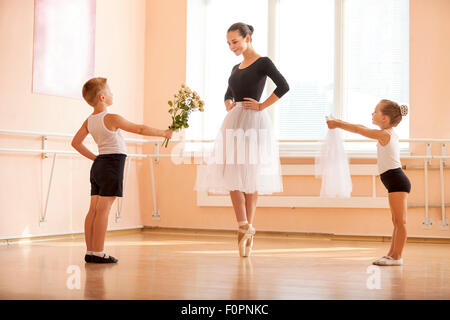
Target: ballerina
(252, 166)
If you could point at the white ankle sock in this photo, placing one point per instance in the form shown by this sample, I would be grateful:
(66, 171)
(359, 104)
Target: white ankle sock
(89, 253)
(100, 254)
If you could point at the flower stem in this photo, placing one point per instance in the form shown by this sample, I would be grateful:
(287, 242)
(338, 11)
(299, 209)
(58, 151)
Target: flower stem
(166, 142)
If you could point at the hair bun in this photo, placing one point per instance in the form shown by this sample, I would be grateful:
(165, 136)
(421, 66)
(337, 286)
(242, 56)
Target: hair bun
(404, 110)
(251, 28)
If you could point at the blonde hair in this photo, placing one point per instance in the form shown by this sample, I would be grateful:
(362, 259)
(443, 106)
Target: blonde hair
(394, 111)
(92, 88)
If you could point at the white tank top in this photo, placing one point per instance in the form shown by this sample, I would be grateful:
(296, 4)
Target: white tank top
(108, 141)
(389, 155)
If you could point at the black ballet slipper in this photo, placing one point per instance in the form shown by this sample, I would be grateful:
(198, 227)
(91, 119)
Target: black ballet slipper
(88, 258)
(97, 259)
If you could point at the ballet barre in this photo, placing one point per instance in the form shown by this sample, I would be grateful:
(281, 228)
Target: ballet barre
(45, 152)
(204, 199)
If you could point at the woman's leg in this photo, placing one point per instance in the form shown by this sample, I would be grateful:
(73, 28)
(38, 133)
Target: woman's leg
(101, 222)
(398, 204)
(89, 222)
(250, 205)
(238, 200)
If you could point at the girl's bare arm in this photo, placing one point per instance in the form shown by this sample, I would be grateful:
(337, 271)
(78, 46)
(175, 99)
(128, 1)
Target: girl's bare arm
(381, 135)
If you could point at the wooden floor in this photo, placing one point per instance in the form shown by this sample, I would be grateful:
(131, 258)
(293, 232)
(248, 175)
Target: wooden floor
(157, 265)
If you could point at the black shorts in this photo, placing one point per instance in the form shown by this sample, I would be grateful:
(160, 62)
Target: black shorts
(107, 175)
(395, 180)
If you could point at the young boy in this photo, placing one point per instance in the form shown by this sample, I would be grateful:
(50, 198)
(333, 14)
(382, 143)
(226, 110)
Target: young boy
(107, 170)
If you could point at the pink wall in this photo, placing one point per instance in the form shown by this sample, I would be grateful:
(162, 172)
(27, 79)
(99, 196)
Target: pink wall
(120, 49)
(141, 48)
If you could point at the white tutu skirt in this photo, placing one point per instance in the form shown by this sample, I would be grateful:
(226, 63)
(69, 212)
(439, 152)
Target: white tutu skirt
(245, 156)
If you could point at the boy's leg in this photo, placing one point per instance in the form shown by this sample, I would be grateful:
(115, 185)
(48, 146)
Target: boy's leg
(89, 222)
(100, 223)
(398, 204)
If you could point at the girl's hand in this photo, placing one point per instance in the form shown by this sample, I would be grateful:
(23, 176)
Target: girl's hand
(251, 104)
(168, 133)
(231, 106)
(332, 124)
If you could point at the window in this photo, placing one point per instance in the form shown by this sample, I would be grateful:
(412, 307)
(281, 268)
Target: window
(375, 59)
(339, 57)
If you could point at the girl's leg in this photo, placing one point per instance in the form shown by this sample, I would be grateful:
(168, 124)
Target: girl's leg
(394, 234)
(101, 222)
(250, 205)
(238, 200)
(89, 222)
(398, 204)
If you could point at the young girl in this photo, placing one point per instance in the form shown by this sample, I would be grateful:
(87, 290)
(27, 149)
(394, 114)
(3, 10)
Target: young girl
(107, 170)
(387, 115)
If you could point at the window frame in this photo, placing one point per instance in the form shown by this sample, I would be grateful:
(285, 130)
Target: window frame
(305, 149)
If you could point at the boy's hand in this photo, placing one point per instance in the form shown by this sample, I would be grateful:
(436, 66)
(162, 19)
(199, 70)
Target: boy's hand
(168, 133)
(332, 124)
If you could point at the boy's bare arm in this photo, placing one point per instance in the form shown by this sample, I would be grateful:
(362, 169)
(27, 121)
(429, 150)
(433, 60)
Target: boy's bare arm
(120, 122)
(77, 142)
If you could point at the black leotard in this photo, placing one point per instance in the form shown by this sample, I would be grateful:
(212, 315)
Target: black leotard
(249, 82)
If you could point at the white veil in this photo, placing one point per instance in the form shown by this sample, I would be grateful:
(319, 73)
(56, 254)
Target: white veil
(332, 166)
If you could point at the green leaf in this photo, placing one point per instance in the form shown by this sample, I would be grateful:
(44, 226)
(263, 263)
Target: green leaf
(170, 103)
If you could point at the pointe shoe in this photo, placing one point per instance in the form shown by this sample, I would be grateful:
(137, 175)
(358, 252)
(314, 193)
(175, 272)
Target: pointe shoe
(249, 246)
(388, 261)
(248, 236)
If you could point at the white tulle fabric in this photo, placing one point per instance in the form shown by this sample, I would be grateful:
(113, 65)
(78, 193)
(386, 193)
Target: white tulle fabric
(245, 156)
(332, 166)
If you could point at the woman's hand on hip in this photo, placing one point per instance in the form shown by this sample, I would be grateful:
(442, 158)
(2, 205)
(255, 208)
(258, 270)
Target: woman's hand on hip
(230, 105)
(251, 104)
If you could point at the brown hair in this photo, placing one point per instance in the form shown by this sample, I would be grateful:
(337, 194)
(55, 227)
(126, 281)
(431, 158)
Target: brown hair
(91, 89)
(243, 28)
(394, 111)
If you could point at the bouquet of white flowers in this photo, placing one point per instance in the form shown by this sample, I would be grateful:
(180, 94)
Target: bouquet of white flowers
(184, 102)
